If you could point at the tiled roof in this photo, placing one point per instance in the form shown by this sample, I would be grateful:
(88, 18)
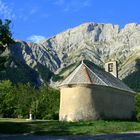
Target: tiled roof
(86, 73)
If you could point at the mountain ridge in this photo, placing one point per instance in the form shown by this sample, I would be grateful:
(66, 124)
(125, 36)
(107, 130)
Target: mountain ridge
(95, 42)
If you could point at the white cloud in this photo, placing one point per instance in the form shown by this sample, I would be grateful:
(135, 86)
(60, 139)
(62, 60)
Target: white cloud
(36, 38)
(6, 11)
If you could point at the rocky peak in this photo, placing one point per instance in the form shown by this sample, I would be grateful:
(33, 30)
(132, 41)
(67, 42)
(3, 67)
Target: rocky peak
(92, 41)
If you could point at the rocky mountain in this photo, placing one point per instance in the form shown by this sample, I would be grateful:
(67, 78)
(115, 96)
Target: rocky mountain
(16, 71)
(97, 43)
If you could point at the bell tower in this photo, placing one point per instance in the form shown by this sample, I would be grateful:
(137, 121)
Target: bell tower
(112, 67)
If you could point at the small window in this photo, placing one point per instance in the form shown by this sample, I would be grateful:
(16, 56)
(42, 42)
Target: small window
(110, 67)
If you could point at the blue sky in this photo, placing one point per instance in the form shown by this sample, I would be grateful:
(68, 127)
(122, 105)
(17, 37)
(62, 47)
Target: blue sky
(33, 20)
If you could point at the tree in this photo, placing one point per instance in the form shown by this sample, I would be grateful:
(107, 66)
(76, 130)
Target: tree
(48, 103)
(137, 103)
(7, 99)
(26, 95)
(17, 101)
(5, 34)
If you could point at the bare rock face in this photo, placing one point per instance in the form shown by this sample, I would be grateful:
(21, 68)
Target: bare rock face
(99, 43)
(33, 53)
(90, 41)
(95, 42)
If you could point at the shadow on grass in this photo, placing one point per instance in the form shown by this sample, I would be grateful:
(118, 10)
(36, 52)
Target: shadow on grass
(44, 128)
(14, 127)
(35, 127)
(67, 128)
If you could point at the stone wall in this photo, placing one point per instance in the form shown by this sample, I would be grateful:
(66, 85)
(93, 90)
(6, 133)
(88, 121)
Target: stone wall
(92, 102)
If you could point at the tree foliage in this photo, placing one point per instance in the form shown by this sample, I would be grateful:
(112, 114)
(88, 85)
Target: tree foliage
(5, 33)
(19, 100)
(6, 99)
(133, 79)
(137, 103)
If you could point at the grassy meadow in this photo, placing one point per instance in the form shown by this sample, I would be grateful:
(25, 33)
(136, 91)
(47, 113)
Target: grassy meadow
(43, 127)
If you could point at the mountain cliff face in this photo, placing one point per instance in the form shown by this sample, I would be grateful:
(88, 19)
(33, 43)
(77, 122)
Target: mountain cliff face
(16, 71)
(98, 43)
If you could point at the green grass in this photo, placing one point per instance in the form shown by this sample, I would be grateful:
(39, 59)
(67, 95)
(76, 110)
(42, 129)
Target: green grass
(38, 127)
